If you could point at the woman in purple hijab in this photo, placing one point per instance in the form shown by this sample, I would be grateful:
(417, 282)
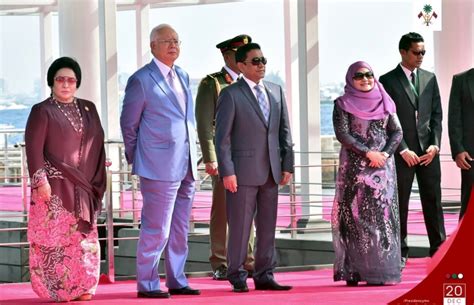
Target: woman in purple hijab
(66, 162)
(365, 221)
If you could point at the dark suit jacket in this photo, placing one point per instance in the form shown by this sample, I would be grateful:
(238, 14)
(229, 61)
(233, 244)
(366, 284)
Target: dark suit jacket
(246, 146)
(461, 113)
(422, 127)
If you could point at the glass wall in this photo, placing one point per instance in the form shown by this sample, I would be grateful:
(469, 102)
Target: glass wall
(368, 30)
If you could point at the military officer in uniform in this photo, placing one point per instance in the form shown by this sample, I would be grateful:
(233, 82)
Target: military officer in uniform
(206, 99)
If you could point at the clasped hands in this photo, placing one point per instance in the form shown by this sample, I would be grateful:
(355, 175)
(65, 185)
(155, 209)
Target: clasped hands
(377, 158)
(412, 159)
(230, 182)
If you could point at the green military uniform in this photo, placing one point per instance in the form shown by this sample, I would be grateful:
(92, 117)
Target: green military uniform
(206, 100)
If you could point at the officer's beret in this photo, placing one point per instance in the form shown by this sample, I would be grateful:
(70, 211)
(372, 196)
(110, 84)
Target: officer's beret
(234, 43)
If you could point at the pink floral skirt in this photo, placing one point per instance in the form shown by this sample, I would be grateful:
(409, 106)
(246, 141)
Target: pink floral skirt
(64, 263)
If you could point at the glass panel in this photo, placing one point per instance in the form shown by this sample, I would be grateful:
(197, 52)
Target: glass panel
(20, 77)
(201, 27)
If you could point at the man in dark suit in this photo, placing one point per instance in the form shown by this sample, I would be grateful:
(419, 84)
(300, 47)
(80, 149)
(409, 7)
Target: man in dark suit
(255, 154)
(416, 94)
(461, 131)
(206, 101)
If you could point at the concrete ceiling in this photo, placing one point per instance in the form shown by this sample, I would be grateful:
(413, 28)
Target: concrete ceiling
(31, 7)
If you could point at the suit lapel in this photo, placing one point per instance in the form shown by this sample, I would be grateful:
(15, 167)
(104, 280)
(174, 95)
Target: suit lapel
(187, 92)
(402, 78)
(250, 97)
(273, 103)
(161, 82)
(422, 81)
(470, 82)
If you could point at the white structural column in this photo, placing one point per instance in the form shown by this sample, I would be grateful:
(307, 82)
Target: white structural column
(79, 38)
(110, 108)
(109, 75)
(46, 49)
(301, 19)
(454, 53)
(143, 29)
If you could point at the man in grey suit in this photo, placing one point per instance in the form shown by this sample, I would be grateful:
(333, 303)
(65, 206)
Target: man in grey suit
(255, 154)
(415, 92)
(158, 130)
(461, 131)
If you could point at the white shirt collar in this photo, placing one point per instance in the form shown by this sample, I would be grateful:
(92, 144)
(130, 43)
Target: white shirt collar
(252, 84)
(165, 70)
(408, 72)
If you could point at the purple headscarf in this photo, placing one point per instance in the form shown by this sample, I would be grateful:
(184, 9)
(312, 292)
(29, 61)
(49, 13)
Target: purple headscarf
(371, 105)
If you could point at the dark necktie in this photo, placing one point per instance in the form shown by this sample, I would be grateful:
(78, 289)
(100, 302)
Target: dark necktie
(413, 81)
(415, 88)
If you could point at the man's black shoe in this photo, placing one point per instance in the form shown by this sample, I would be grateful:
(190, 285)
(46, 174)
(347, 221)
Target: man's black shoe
(240, 287)
(220, 274)
(271, 285)
(184, 291)
(157, 294)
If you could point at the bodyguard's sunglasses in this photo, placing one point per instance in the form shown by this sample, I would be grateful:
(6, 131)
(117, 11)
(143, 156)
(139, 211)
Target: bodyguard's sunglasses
(360, 75)
(418, 53)
(257, 60)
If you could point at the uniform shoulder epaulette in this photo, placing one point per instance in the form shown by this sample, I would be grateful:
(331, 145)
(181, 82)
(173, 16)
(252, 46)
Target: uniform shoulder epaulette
(216, 74)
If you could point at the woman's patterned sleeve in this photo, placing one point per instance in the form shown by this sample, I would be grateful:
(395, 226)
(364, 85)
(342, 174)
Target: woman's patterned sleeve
(39, 178)
(341, 124)
(395, 134)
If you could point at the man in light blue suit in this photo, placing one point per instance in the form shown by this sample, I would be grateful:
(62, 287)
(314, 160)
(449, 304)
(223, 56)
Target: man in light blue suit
(158, 130)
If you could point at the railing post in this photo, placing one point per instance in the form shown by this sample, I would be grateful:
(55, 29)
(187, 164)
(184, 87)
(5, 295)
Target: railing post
(24, 178)
(110, 225)
(121, 181)
(293, 223)
(6, 170)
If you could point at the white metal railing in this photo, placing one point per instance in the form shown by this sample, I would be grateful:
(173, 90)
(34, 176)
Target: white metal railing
(120, 182)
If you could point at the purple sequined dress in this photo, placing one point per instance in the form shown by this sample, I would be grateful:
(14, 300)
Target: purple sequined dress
(365, 219)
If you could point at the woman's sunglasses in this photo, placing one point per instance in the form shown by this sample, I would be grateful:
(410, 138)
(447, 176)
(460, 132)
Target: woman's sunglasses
(360, 75)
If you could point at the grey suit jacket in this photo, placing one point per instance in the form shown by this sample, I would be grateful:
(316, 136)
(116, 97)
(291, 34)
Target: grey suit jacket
(421, 127)
(245, 145)
(461, 113)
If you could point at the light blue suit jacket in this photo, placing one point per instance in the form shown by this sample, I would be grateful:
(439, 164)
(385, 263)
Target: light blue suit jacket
(159, 138)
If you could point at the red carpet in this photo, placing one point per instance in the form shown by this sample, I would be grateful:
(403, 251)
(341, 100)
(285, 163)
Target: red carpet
(310, 287)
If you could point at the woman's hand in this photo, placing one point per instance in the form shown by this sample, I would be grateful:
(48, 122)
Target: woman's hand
(377, 158)
(42, 193)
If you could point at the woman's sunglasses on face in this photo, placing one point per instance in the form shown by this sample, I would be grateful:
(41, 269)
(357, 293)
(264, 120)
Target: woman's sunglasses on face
(65, 79)
(360, 75)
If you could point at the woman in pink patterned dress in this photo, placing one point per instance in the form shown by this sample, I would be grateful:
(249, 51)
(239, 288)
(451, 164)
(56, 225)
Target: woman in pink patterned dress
(66, 161)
